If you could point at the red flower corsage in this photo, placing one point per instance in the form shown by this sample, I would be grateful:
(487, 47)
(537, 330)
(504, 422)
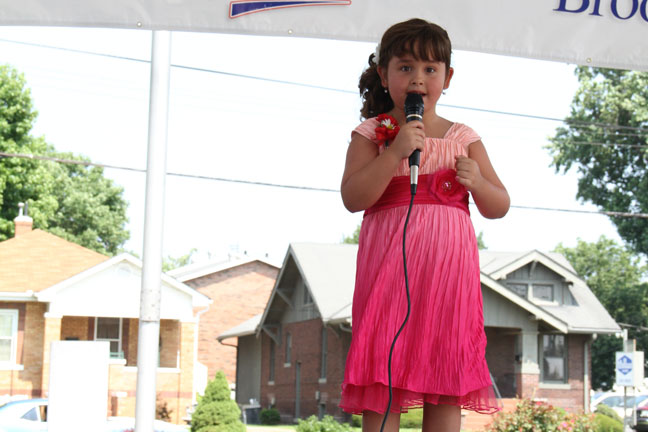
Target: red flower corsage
(445, 187)
(387, 128)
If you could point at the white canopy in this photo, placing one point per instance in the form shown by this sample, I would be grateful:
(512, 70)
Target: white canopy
(609, 33)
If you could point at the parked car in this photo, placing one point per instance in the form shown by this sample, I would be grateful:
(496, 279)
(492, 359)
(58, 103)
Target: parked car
(615, 401)
(642, 419)
(30, 415)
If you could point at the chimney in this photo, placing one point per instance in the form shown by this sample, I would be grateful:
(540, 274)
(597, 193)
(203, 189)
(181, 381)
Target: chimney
(23, 223)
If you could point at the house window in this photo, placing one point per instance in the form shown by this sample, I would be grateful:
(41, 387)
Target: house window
(518, 288)
(8, 335)
(543, 292)
(288, 349)
(308, 299)
(554, 358)
(110, 329)
(271, 376)
(324, 349)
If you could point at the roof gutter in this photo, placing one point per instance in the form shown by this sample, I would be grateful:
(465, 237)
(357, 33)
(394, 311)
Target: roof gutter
(28, 295)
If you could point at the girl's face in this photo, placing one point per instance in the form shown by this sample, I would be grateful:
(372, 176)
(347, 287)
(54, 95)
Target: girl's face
(405, 75)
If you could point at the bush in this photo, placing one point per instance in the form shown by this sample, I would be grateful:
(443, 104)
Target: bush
(270, 416)
(605, 423)
(608, 411)
(327, 424)
(216, 411)
(356, 420)
(530, 416)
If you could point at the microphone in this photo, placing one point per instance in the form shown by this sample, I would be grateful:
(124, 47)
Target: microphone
(414, 111)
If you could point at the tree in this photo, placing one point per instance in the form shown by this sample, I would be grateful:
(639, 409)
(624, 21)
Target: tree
(614, 273)
(606, 139)
(216, 411)
(72, 201)
(354, 238)
(170, 263)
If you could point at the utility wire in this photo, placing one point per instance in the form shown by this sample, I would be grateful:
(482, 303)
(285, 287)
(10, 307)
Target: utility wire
(276, 185)
(642, 130)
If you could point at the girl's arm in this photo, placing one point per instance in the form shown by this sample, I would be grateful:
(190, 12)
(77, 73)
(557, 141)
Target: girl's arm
(478, 175)
(368, 172)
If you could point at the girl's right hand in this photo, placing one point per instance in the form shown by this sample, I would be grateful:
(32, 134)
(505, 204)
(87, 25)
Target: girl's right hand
(410, 137)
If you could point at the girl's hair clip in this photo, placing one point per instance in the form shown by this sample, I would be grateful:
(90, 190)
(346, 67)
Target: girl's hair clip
(376, 55)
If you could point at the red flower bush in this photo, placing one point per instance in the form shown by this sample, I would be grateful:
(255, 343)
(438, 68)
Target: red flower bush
(387, 129)
(445, 187)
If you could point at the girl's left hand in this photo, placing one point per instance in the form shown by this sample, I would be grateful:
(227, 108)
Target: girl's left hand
(468, 172)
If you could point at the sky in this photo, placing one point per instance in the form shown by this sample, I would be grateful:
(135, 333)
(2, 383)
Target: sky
(228, 130)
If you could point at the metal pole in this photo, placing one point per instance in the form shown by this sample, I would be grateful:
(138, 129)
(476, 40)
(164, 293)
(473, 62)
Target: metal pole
(149, 323)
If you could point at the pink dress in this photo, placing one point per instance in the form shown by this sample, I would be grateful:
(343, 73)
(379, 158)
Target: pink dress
(440, 355)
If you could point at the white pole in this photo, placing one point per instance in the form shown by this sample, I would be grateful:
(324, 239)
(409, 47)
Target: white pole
(149, 324)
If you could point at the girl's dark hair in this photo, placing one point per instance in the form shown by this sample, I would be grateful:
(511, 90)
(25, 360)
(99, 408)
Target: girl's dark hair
(419, 38)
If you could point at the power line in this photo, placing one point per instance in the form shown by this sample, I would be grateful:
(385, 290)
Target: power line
(276, 185)
(640, 129)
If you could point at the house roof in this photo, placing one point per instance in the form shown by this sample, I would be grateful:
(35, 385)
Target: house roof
(113, 287)
(196, 270)
(587, 316)
(328, 271)
(244, 329)
(36, 260)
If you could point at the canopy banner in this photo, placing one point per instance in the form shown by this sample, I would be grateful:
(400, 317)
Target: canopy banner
(607, 33)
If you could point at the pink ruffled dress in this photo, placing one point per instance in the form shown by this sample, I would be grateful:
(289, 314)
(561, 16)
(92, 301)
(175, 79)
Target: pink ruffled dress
(440, 355)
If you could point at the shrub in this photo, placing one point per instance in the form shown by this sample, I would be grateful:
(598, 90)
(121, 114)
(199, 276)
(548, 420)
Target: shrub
(608, 411)
(162, 410)
(216, 411)
(605, 423)
(530, 416)
(270, 416)
(327, 424)
(356, 420)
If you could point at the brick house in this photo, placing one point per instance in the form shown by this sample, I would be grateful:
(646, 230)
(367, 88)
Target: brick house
(540, 318)
(51, 290)
(240, 287)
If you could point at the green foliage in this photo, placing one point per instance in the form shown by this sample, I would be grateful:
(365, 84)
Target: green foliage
(327, 424)
(607, 411)
(481, 245)
(170, 263)
(413, 419)
(605, 139)
(356, 420)
(605, 423)
(216, 411)
(533, 416)
(614, 273)
(72, 201)
(354, 238)
(270, 416)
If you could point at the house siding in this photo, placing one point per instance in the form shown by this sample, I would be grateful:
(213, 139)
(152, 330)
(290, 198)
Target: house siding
(248, 371)
(315, 393)
(29, 353)
(239, 293)
(571, 399)
(500, 356)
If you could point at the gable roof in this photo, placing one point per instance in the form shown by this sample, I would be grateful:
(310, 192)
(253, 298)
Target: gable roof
(197, 270)
(36, 260)
(113, 288)
(587, 316)
(328, 271)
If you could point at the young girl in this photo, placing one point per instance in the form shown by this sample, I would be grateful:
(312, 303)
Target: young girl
(439, 359)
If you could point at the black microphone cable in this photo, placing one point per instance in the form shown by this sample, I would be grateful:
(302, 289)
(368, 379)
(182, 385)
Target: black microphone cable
(409, 308)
